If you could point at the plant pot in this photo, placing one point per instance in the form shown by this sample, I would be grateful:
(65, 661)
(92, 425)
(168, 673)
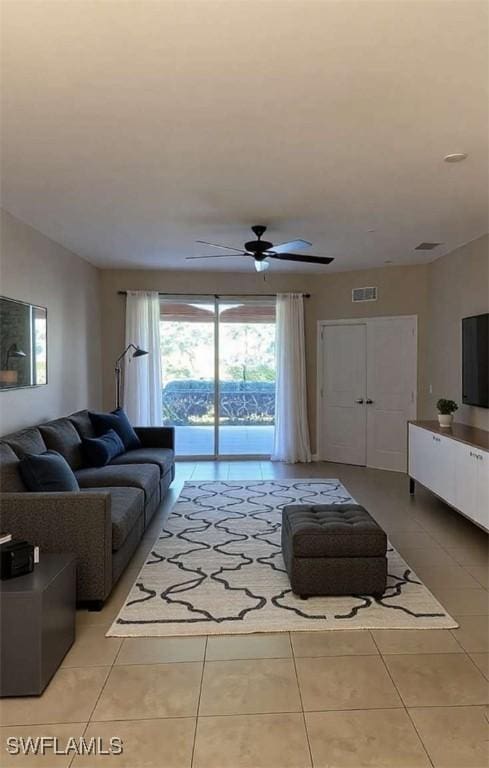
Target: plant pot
(445, 420)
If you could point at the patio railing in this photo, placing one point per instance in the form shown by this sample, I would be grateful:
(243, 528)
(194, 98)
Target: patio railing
(191, 402)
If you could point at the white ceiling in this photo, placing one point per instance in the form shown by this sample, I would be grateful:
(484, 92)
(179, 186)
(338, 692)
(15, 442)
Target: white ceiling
(132, 129)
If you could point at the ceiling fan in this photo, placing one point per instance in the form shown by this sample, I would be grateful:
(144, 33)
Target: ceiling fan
(262, 250)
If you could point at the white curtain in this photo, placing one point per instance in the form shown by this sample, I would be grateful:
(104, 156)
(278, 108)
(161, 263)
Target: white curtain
(142, 375)
(291, 438)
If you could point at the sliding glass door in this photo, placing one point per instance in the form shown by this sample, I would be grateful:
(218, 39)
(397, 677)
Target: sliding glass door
(218, 368)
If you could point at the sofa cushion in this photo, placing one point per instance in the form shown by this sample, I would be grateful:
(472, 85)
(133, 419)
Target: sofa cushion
(127, 506)
(144, 476)
(26, 441)
(61, 436)
(118, 421)
(82, 423)
(10, 477)
(47, 472)
(162, 457)
(99, 451)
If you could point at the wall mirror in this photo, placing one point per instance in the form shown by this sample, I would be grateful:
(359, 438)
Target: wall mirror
(23, 344)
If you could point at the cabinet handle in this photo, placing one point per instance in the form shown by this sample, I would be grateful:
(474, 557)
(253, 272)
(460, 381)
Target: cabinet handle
(369, 401)
(359, 401)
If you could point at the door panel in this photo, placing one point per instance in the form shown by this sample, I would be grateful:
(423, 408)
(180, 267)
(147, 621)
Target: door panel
(465, 479)
(443, 468)
(482, 497)
(343, 426)
(246, 352)
(421, 455)
(391, 388)
(188, 338)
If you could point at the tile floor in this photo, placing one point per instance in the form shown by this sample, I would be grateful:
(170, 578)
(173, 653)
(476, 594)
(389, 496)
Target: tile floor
(350, 699)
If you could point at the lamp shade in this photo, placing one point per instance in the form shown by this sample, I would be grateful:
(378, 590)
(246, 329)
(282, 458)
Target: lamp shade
(140, 352)
(14, 351)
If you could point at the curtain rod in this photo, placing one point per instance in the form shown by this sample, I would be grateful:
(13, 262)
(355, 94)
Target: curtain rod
(220, 295)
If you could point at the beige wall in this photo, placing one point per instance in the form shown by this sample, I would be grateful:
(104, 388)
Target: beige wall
(458, 286)
(402, 291)
(38, 270)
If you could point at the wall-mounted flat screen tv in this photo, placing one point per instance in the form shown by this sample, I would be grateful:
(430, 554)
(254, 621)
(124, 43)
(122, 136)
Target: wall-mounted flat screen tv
(475, 360)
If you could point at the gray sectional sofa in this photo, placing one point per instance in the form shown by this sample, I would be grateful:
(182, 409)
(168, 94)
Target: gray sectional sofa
(103, 522)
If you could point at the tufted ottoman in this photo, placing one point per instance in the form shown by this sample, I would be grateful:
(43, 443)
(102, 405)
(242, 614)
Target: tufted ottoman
(333, 549)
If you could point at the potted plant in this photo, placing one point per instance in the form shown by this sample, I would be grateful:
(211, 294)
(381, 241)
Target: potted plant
(446, 409)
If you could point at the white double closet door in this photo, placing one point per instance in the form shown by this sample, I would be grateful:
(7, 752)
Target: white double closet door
(367, 390)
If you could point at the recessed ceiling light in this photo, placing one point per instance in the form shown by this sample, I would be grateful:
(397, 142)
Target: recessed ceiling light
(456, 157)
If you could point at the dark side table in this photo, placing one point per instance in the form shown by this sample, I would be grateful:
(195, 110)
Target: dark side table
(37, 624)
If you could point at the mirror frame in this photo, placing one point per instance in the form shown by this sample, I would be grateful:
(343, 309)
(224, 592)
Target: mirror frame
(36, 306)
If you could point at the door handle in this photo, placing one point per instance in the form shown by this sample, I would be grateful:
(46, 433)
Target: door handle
(368, 401)
(359, 401)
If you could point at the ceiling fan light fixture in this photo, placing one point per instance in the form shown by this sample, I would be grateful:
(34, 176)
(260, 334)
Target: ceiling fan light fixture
(262, 250)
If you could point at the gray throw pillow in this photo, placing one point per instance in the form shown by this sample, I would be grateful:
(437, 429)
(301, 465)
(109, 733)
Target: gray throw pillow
(48, 472)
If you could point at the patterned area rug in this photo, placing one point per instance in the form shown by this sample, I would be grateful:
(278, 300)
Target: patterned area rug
(217, 568)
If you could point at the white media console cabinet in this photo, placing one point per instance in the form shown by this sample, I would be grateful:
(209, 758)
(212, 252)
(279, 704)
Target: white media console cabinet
(454, 464)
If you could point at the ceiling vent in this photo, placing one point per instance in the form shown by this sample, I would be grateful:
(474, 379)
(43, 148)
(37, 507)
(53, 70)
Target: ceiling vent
(364, 294)
(426, 246)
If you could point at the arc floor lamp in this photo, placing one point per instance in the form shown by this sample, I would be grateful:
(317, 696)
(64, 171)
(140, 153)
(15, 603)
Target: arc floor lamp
(137, 352)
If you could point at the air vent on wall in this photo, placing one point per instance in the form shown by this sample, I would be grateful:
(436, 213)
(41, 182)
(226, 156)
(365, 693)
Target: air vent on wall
(364, 294)
(426, 246)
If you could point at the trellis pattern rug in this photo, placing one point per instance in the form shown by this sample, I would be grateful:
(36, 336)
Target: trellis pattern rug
(217, 568)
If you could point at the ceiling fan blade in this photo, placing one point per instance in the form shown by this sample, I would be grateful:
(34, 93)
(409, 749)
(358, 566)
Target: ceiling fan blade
(302, 257)
(292, 245)
(216, 245)
(219, 255)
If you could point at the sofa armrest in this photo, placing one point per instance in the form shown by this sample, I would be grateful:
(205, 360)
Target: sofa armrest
(66, 522)
(156, 437)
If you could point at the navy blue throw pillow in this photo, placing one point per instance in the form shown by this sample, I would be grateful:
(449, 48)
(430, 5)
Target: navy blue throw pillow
(118, 421)
(100, 450)
(48, 471)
